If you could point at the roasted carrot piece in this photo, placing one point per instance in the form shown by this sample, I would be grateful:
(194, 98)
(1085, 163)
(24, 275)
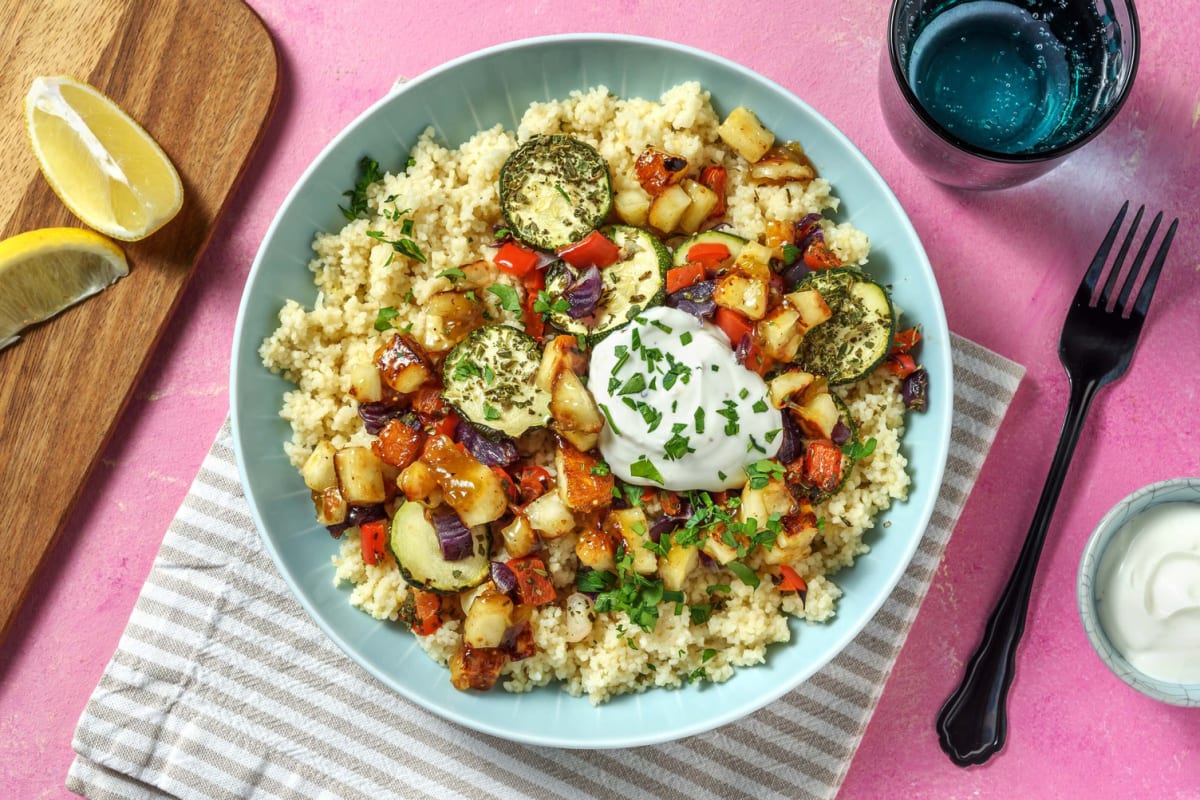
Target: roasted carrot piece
(398, 444)
(823, 465)
(715, 178)
(534, 586)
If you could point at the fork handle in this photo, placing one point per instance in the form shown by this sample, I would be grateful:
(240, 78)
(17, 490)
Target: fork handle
(973, 722)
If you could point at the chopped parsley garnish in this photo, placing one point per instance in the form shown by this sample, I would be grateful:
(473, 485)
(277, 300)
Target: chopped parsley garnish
(489, 375)
(677, 447)
(635, 384)
(760, 407)
(761, 472)
(662, 326)
(558, 188)
(644, 468)
(404, 246)
(608, 416)
(729, 412)
(509, 300)
(547, 305)
(699, 420)
(685, 338)
(383, 320)
(600, 469)
(770, 435)
(790, 253)
(465, 369)
(857, 450)
(454, 274)
(368, 173)
(744, 393)
(490, 413)
(743, 573)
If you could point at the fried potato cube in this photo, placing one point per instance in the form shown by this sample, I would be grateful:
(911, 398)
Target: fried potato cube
(742, 131)
(359, 476)
(402, 364)
(668, 208)
(630, 525)
(704, 200)
(318, 471)
(549, 516)
(633, 206)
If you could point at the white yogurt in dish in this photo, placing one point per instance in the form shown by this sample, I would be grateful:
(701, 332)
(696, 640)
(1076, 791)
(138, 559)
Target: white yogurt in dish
(1148, 592)
(682, 412)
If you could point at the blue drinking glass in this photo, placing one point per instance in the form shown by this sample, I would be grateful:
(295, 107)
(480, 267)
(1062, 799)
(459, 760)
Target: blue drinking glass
(986, 94)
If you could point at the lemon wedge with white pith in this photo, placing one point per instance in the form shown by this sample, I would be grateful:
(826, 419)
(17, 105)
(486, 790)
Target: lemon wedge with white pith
(45, 271)
(101, 164)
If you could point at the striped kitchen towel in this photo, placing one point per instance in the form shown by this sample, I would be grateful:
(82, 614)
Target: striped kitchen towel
(222, 687)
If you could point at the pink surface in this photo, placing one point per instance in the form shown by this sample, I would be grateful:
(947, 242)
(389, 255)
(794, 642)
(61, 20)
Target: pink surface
(1007, 263)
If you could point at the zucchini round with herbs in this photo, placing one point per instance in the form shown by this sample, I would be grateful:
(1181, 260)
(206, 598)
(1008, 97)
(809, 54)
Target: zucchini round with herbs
(414, 543)
(635, 282)
(488, 378)
(846, 347)
(554, 190)
(733, 243)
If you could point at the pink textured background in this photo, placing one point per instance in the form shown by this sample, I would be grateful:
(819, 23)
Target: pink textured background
(1007, 263)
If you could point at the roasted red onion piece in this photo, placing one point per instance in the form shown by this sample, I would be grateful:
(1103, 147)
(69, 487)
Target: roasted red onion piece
(841, 434)
(376, 415)
(583, 293)
(453, 536)
(503, 576)
(695, 299)
(491, 451)
(790, 446)
(915, 390)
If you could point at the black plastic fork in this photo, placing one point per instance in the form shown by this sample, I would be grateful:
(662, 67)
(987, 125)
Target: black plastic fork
(1097, 343)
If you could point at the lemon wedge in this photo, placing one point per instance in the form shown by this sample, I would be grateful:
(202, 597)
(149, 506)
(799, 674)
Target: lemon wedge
(101, 164)
(45, 271)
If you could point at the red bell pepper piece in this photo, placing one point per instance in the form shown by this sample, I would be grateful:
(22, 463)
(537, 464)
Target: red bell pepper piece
(533, 482)
(819, 256)
(792, 582)
(593, 250)
(373, 537)
(515, 259)
(683, 277)
(906, 340)
(901, 364)
(715, 178)
(712, 255)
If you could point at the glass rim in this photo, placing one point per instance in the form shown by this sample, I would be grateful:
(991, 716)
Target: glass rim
(933, 125)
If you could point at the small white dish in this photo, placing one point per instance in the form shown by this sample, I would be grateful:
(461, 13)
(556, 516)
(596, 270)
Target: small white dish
(1176, 490)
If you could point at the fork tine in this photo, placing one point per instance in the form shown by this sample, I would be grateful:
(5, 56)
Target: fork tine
(1093, 272)
(1143, 299)
(1127, 288)
(1111, 283)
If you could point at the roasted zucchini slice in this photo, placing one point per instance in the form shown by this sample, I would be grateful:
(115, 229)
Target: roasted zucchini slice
(636, 282)
(857, 337)
(554, 190)
(414, 543)
(488, 378)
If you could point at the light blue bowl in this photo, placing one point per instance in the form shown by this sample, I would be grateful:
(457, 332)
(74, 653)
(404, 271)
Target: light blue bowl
(1176, 490)
(458, 99)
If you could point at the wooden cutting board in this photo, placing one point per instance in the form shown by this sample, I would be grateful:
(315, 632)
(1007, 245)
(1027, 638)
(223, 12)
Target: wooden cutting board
(202, 77)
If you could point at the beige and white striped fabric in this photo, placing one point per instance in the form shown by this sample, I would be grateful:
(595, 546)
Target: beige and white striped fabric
(221, 687)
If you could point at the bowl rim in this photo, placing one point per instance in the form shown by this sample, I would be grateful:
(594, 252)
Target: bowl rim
(933, 319)
(1122, 512)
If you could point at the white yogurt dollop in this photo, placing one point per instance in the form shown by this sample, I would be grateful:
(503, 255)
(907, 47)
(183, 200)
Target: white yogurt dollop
(1148, 592)
(682, 412)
